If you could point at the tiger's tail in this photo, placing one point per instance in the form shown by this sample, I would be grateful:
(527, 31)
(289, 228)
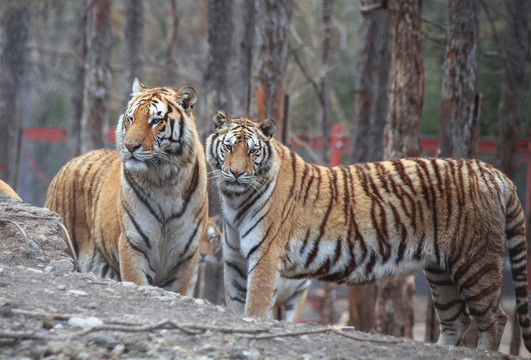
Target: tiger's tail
(517, 248)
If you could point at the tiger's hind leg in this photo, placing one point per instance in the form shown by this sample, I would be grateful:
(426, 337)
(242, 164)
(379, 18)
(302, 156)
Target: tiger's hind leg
(479, 282)
(483, 303)
(452, 312)
(490, 339)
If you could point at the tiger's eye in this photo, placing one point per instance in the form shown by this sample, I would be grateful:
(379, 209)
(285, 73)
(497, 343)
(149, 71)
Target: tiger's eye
(228, 147)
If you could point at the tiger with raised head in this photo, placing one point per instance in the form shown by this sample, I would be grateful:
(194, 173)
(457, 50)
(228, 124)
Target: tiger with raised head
(356, 224)
(137, 213)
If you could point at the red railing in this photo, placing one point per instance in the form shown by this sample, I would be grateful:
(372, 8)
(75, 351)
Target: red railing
(339, 147)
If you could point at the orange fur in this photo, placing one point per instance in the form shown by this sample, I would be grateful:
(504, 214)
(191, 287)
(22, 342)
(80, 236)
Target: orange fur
(6, 190)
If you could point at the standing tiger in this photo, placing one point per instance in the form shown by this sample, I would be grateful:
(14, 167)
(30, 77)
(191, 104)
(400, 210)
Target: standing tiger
(356, 224)
(137, 214)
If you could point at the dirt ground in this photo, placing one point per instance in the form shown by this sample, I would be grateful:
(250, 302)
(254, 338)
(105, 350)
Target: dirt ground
(47, 311)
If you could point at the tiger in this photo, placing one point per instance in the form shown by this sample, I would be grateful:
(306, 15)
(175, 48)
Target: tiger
(356, 224)
(209, 245)
(136, 213)
(7, 191)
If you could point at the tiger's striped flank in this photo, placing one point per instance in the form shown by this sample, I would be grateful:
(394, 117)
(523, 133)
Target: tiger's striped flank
(136, 213)
(355, 224)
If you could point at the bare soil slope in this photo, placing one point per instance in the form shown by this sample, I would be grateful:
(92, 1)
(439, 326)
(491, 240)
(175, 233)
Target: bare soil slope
(49, 312)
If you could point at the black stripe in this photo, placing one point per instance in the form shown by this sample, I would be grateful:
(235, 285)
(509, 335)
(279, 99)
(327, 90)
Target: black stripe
(248, 203)
(235, 267)
(238, 287)
(137, 249)
(188, 192)
(171, 278)
(238, 299)
(142, 196)
(192, 236)
(254, 248)
(254, 225)
(308, 188)
(136, 225)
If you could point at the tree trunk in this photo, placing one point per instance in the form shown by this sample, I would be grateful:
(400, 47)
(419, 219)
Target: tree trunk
(406, 87)
(362, 306)
(173, 65)
(370, 108)
(97, 76)
(458, 111)
(459, 103)
(394, 313)
(220, 30)
(372, 79)
(244, 36)
(270, 59)
(73, 126)
(132, 49)
(15, 24)
(324, 96)
(513, 93)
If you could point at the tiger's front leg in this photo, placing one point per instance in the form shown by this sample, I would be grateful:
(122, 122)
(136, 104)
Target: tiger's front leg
(235, 271)
(262, 286)
(184, 277)
(134, 265)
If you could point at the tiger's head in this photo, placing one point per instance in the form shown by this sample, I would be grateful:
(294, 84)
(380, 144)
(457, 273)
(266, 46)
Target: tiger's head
(210, 242)
(156, 127)
(240, 152)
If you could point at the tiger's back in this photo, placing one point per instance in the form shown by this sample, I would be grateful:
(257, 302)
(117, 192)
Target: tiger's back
(85, 192)
(8, 192)
(356, 224)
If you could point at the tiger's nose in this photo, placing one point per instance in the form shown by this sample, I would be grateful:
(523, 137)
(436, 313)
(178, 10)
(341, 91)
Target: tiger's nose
(132, 147)
(237, 173)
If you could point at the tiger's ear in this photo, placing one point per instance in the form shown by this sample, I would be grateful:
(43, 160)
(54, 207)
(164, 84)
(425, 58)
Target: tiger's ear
(220, 119)
(186, 98)
(137, 87)
(268, 127)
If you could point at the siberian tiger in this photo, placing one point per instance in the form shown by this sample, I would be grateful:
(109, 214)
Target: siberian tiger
(209, 245)
(356, 224)
(137, 213)
(7, 192)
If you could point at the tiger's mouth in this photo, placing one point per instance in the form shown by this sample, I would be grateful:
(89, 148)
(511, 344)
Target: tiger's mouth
(236, 185)
(133, 164)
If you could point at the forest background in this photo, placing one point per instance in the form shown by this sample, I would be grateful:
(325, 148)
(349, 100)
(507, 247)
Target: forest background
(69, 65)
(167, 43)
